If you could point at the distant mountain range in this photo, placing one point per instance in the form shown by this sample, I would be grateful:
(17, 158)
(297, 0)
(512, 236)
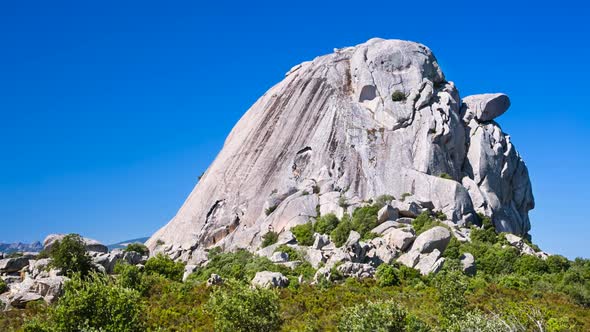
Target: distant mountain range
(19, 246)
(37, 246)
(124, 244)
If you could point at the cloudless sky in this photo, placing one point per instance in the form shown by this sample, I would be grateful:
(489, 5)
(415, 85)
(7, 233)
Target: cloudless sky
(110, 110)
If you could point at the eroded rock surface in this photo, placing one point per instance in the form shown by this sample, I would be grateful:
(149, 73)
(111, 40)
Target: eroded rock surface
(377, 118)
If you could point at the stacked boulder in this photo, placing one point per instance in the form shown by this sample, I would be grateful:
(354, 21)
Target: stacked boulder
(31, 278)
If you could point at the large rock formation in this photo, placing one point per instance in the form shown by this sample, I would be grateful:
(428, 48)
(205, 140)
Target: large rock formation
(378, 118)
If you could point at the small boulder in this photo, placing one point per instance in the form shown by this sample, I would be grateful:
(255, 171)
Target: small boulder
(399, 239)
(279, 257)
(320, 241)
(269, 279)
(214, 279)
(437, 237)
(356, 270)
(314, 257)
(11, 265)
(386, 213)
(468, 262)
(430, 262)
(409, 259)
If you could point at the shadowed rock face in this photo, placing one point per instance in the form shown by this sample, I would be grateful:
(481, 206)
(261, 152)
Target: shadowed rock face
(331, 133)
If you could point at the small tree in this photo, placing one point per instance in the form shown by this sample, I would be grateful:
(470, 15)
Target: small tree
(341, 232)
(70, 256)
(165, 266)
(387, 275)
(138, 248)
(241, 308)
(398, 95)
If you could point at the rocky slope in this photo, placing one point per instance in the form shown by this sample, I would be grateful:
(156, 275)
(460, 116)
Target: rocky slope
(378, 118)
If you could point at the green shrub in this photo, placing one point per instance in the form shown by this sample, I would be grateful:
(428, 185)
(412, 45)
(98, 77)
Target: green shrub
(557, 263)
(382, 200)
(269, 238)
(294, 255)
(451, 286)
(485, 234)
(342, 202)
(130, 276)
(528, 264)
(240, 265)
(326, 224)
(303, 234)
(97, 304)
(387, 275)
(270, 210)
(454, 249)
(373, 316)
(138, 248)
(238, 308)
(165, 266)
(477, 321)
(3, 286)
(398, 95)
(340, 234)
(364, 219)
(423, 222)
(514, 282)
(70, 256)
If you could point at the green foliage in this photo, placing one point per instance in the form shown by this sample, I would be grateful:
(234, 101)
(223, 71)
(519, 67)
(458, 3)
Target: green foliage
(240, 265)
(294, 255)
(70, 256)
(387, 275)
(94, 303)
(270, 210)
(398, 95)
(528, 264)
(423, 222)
(238, 307)
(165, 266)
(340, 234)
(454, 249)
(130, 276)
(373, 316)
(485, 234)
(477, 321)
(138, 248)
(303, 233)
(326, 223)
(364, 219)
(382, 200)
(404, 196)
(269, 238)
(557, 264)
(452, 286)
(3, 286)
(446, 176)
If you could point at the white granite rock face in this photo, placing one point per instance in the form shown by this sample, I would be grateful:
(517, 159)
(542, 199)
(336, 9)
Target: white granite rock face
(331, 135)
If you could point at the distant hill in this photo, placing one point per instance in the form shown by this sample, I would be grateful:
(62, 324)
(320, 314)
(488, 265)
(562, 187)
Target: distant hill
(124, 244)
(19, 247)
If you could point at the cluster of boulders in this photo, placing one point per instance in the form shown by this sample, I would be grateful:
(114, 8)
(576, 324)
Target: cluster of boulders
(32, 278)
(397, 241)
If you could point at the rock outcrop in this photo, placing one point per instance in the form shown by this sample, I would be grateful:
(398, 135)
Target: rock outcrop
(378, 118)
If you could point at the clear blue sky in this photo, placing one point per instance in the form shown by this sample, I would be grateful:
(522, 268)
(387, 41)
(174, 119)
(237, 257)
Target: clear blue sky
(110, 110)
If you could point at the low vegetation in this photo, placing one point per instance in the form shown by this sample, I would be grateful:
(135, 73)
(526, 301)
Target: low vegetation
(139, 248)
(398, 95)
(269, 238)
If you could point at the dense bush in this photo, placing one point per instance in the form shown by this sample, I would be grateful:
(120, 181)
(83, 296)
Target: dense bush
(240, 265)
(557, 263)
(165, 266)
(94, 304)
(477, 321)
(423, 222)
(269, 238)
(398, 96)
(303, 234)
(373, 316)
(137, 247)
(294, 255)
(340, 234)
(364, 219)
(326, 223)
(387, 275)
(3, 286)
(451, 286)
(70, 256)
(130, 276)
(528, 264)
(238, 307)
